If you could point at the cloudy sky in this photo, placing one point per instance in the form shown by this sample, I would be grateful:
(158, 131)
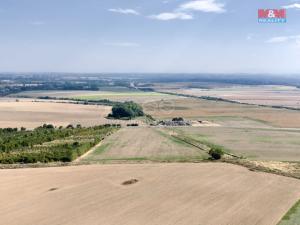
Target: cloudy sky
(147, 36)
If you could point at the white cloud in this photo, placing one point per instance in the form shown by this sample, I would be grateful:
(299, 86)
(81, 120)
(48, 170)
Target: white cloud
(281, 39)
(249, 37)
(122, 44)
(183, 12)
(172, 16)
(125, 11)
(203, 6)
(292, 6)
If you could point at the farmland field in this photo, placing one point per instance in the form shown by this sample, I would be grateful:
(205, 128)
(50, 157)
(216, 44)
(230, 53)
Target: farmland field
(26, 113)
(254, 132)
(136, 112)
(253, 143)
(208, 193)
(214, 193)
(138, 144)
(113, 95)
(199, 108)
(287, 96)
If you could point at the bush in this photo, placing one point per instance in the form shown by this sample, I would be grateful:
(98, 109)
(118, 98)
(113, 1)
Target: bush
(216, 152)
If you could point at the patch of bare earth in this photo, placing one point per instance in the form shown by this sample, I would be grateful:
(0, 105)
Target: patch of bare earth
(168, 194)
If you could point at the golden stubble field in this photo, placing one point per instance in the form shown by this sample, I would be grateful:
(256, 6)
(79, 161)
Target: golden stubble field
(29, 114)
(168, 194)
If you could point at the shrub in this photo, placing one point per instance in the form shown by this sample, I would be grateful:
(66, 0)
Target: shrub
(216, 152)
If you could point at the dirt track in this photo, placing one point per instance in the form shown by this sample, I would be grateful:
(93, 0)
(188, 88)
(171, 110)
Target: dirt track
(165, 194)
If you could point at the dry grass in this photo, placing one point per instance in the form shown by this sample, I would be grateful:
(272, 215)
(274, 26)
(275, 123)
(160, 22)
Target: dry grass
(168, 194)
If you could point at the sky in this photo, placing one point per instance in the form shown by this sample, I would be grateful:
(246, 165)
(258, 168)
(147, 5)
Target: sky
(148, 36)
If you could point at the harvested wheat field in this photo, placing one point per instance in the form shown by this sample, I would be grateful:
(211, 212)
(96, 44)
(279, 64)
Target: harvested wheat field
(30, 114)
(148, 194)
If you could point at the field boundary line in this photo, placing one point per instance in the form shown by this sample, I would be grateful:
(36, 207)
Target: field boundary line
(202, 149)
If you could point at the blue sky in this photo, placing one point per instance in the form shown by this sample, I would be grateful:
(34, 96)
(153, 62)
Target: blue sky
(214, 36)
